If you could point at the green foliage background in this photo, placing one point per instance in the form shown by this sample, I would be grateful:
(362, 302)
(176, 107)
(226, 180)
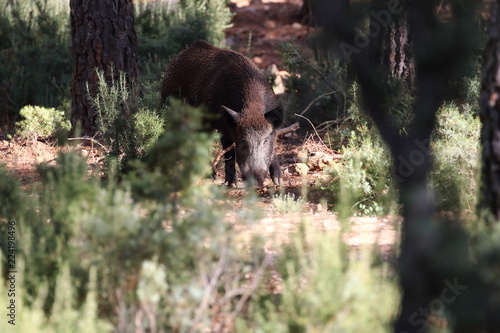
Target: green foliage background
(35, 45)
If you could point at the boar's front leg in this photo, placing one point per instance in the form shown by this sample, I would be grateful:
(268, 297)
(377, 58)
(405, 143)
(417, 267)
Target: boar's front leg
(275, 171)
(230, 160)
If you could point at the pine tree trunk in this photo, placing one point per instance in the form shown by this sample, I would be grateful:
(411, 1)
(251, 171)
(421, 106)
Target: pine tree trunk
(104, 38)
(490, 118)
(397, 56)
(395, 46)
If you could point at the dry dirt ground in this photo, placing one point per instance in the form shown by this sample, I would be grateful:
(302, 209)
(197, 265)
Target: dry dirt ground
(21, 158)
(259, 26)
(265, 24)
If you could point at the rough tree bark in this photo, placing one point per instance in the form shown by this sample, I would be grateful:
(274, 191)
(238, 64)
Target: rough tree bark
(393, 46)
(490, 118)
(104, 38)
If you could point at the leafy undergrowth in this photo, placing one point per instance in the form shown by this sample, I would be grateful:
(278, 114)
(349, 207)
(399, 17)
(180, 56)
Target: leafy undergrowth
(98, 255)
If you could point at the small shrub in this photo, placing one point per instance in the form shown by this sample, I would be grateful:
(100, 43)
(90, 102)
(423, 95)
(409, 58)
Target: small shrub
(364, 179)
(112, 107)
(116, 120)
(41, 122)
(65, 316)
(286, 204)
(148, 127)
(456, 149)
(35, 53)
(325, 288)
(180, 157)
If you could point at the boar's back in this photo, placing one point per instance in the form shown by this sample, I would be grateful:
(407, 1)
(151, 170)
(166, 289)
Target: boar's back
(206, 75)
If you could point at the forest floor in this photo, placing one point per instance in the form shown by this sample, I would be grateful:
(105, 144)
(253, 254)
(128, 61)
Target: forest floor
(22, 157)
(258, 28)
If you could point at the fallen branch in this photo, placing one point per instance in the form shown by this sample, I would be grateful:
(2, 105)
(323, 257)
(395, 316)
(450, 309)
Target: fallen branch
(219, 155)
(91, 140)
(292, 128)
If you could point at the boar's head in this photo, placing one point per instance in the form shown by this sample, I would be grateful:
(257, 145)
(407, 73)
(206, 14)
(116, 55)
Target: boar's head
(254, 136)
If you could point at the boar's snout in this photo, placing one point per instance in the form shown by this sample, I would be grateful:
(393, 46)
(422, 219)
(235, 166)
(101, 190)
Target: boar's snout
(256, 177)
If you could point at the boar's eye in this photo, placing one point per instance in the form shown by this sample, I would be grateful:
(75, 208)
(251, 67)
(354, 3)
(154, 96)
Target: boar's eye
(266, 139)
(242, 144)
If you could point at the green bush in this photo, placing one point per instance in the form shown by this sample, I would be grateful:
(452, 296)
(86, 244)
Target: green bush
(148, 127)
(365, 180)
(65, 317)
(325, 288)
(35, 53)
(35, 45)
(113, 107)
(363, 183)
(163, 30)
(456, 148)
(48, 224)
(41, 122)
(183, 141)
(126, 131)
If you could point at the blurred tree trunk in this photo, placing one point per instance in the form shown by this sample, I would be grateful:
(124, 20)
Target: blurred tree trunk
(104, 38)
(305, 14)
(490, 118)
(442, 52)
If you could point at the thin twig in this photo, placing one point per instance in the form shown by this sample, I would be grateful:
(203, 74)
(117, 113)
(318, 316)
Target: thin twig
(91, 140)
(230, 293)
(314, 128)
(210, 288)
(250, 290)
(328, 123)
(315, 100)
(295, 126)
(315, 69)
(219, 155)
(333, 86)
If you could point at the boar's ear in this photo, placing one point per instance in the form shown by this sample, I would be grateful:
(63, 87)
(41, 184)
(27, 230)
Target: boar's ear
(275, 116)
(234, 115)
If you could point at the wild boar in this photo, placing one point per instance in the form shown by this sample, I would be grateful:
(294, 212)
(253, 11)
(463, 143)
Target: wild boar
(239, 102)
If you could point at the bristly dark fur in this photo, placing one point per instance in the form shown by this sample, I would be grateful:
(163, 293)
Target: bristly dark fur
(222, 79)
